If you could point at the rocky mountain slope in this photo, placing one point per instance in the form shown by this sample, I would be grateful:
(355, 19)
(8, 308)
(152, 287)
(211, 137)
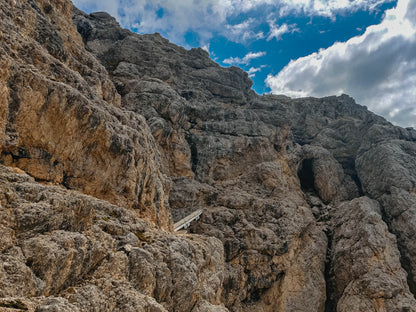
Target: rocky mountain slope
(108, 137)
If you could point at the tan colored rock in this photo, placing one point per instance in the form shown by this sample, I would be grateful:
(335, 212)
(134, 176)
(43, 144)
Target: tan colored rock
(366, 268)
(92, 255)
(60, 120)
(326, 176)
(400, 211)
(247, 165)
(142, 132)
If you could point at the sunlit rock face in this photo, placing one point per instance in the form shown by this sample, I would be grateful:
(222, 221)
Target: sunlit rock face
(61, 117)
(108, 137)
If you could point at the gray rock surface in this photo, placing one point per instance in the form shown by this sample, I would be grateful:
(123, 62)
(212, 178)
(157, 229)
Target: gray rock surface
(249, 161)
(366, 271)
(108, 137)
(94, 256)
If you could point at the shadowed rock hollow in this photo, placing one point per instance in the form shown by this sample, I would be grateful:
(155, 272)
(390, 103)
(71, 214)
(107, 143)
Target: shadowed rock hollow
(108, 137)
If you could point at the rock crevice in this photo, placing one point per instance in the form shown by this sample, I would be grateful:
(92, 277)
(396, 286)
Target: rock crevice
(107, 137)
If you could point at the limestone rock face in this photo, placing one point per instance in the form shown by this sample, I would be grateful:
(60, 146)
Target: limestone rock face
(224, 158)
(369, 277)
(71, 252)
(108, 137)
(61, 119)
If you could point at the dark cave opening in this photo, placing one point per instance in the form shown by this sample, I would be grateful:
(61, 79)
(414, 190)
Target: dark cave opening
(306, 177)
(194, 152)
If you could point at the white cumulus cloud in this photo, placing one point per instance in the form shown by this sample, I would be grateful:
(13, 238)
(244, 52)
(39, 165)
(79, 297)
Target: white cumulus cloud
(179, 17)
(245, 60)
(327, 7)
(377, 68)
(277, 31)
(209, 17)
(244, 31)
(253, 70)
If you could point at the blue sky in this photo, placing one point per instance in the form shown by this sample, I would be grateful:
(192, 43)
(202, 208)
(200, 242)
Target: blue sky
(365, 48)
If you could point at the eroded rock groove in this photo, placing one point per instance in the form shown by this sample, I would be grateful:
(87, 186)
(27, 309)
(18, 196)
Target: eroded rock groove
(107, 137)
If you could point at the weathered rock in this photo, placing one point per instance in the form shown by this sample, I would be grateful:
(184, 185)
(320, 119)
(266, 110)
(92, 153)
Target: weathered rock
(97, 256)
(238, 157)
(400, 211)
(321, 173)
(61, 120)
(387, 170)
(367, 274)
(391, 159)
(144, 132)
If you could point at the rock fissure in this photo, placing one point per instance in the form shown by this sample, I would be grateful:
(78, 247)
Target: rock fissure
(140, 132)
(348, 164)
(406, 262)
(323, 215)
(194, 152)
(330, 303)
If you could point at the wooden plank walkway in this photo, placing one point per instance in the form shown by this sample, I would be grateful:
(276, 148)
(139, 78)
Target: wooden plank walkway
(186, 222)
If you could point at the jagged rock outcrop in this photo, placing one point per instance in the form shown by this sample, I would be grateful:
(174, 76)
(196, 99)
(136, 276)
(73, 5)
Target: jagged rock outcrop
(70, 251)
(61, 119)
(266, 234)
(369, 277)
(108, 136)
